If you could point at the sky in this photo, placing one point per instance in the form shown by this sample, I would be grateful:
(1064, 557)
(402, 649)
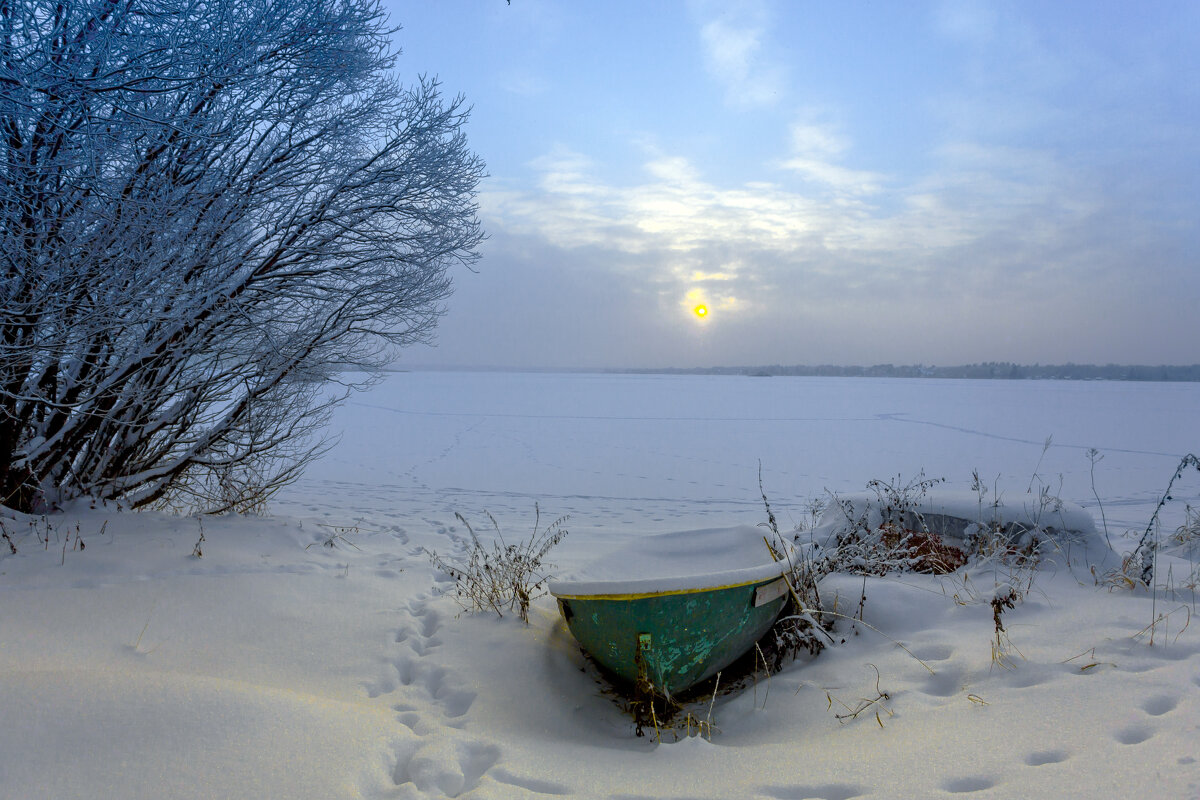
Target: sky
(831, 182)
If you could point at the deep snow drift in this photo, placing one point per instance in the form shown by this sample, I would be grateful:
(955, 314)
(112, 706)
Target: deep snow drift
(277, 666)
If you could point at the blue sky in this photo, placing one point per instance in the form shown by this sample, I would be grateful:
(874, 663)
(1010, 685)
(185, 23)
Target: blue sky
(835, 182)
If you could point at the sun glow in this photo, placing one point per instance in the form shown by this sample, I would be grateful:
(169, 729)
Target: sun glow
(701, 311)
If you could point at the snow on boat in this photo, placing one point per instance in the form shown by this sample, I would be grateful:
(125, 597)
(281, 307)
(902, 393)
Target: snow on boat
(674, 609)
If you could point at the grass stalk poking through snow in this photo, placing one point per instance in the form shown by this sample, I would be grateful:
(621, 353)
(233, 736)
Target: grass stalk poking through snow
(864, 703)
(1139, 566)
(198, 550)
(1095, 457)
(337, 533)
(1002, 646)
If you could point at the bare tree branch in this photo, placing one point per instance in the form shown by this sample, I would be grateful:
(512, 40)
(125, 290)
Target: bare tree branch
(209, 209)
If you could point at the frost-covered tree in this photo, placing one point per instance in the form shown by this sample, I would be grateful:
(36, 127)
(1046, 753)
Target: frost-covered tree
(210, 210)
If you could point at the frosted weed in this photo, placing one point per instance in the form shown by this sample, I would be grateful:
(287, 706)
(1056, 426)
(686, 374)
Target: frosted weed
(504, 575)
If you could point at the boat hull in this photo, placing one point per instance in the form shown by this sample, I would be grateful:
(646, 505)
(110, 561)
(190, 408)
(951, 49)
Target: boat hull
(673, 640)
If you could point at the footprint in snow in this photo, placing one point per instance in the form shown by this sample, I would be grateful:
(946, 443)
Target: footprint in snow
(436, 683)
(975, 783)
(934, 652)
(828, 791)
(1162, 704)
(948, 681)
(535, 785)
(445, 768)
(1134, 734)
(1044, 757)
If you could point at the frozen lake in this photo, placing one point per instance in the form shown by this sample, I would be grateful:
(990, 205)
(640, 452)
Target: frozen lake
(651, 452)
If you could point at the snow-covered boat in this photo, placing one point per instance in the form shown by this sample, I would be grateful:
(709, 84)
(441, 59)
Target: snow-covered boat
(670, 610)
(958, 516)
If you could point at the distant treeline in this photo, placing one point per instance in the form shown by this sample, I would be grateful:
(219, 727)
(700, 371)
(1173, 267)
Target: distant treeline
(995, 370)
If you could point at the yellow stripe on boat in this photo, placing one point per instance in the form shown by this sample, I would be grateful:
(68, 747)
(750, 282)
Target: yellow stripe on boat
(644, 595)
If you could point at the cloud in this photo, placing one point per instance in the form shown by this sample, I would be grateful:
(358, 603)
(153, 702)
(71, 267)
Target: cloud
(674, 211)
(996, 251)
(698, 276)
(842, 180)
(973, 22)
(978, 193)
(816, 140)
(737, 57)
(816, 149)
(522, 82)
(992, 180)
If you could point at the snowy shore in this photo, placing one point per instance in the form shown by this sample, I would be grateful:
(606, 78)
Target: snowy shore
(276, 666)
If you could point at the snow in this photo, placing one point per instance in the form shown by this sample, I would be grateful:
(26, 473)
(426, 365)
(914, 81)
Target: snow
(666, 562)
(276, 666)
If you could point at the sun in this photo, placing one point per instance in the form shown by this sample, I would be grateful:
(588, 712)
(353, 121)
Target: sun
(701, 310)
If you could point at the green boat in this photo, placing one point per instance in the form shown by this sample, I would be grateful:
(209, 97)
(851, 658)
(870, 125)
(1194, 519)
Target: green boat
(670, 610)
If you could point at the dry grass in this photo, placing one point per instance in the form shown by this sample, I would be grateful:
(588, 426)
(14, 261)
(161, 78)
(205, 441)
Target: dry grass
(502, 576)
